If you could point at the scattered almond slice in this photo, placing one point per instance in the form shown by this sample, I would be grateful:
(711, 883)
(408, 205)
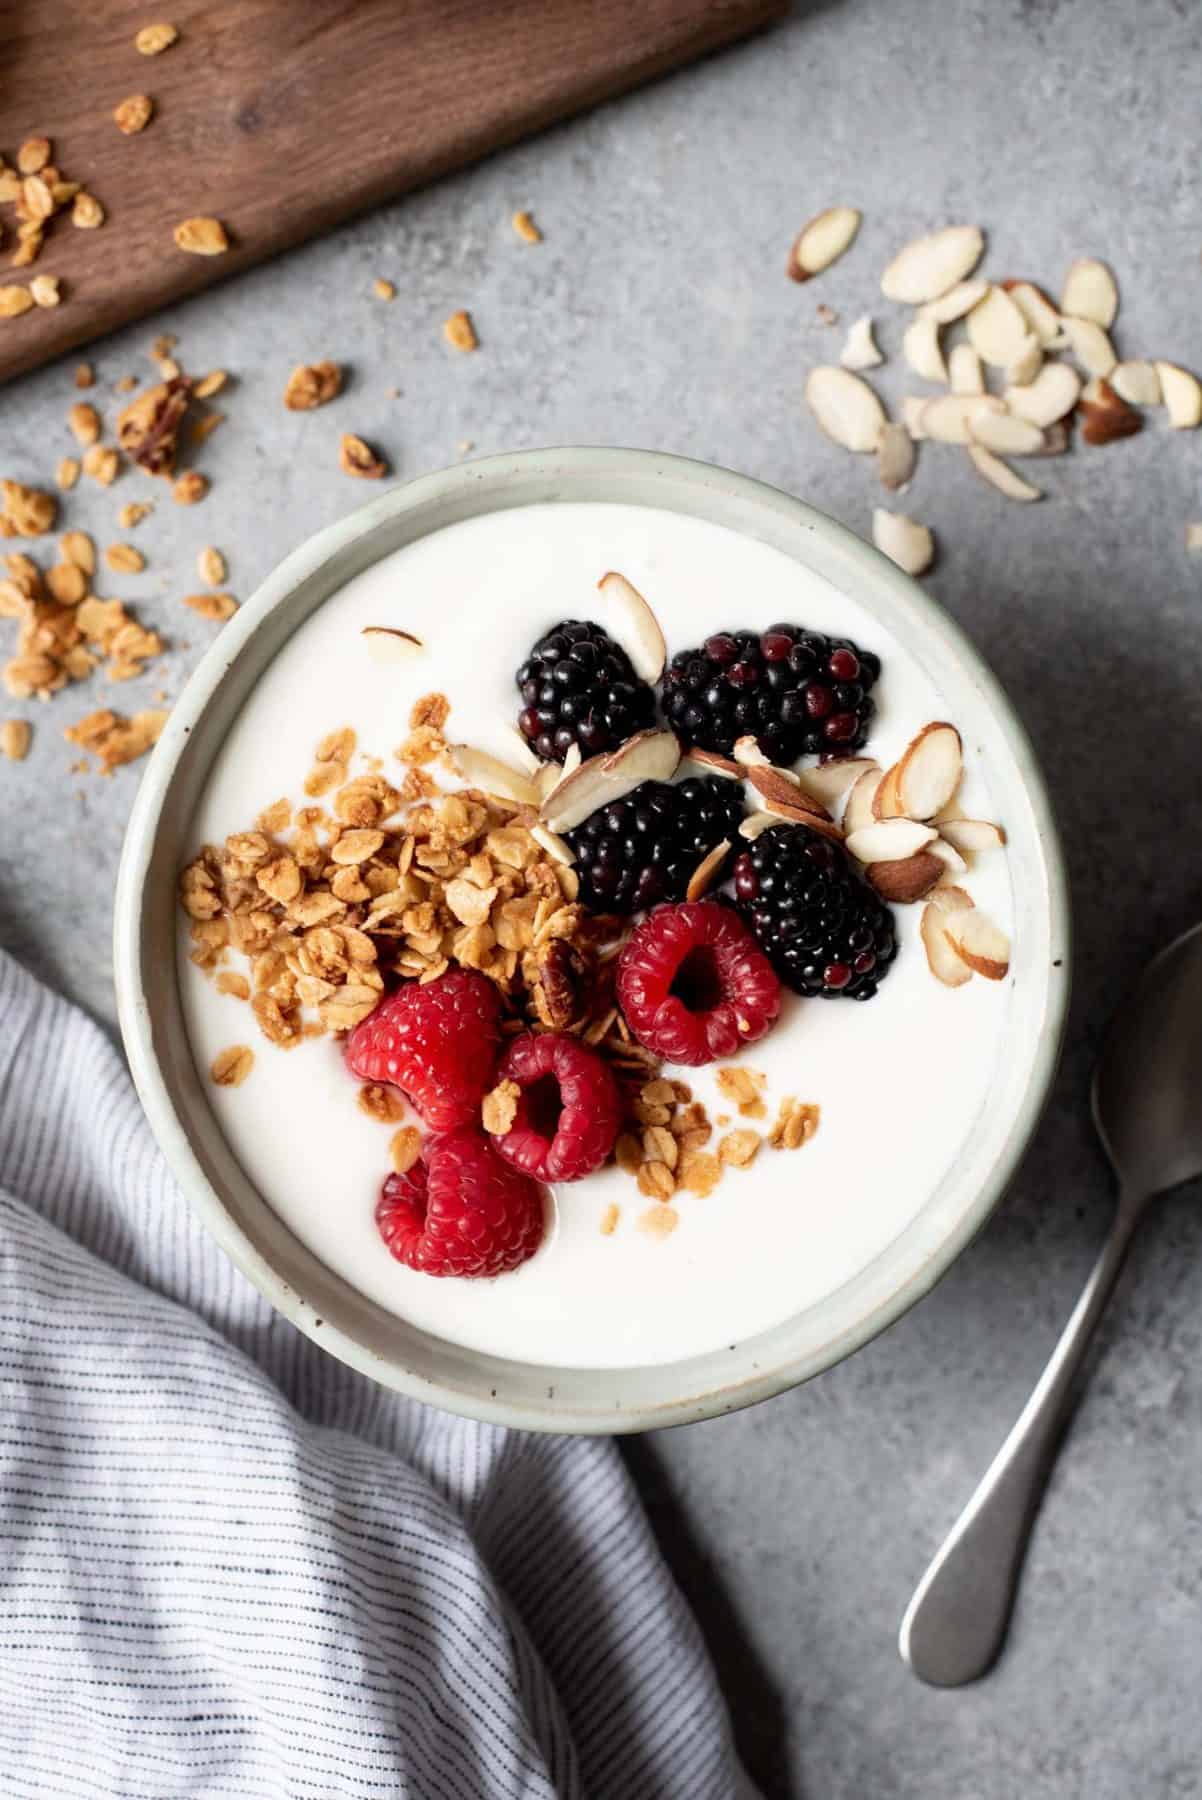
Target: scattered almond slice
(557, 848)
(949, 856)
(829, 781)
(1036, 309)
(952, 899)
(959, 300)
(886, 802)
(906, 880)
(1005, 434)
(928, 267)
(912, 408)
(845, 407)
(1089, 292)
(1089, 344)
(972, 834)
(1000, 475)
(904, 541)
(710, 763)
(858, 812)
(385, 644)
(779, 788)
(1027, 364)
(944, 962)
(895, 458)
(860, 351)
(481, 770)
(819, 244)
(929, 771)
(997, 329)
(706, 872)
(648, 756)
(1051, 395)
(1137, 383)
(1182, 396)
(920, 347)
(643, 640)
(1193, 535)
(964, 370)
(978, 942)
(947, 417)
(890, 840)
(1104, 416)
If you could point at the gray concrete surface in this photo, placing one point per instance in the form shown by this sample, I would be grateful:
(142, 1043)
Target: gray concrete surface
(656, 314)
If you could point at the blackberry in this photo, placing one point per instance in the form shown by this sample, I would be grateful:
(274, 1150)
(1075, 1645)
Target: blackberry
(634, 853)
(798, 693)
(823, 930)
(578, 687)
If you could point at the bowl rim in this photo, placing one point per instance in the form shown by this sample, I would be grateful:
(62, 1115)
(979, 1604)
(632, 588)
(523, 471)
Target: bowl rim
(462, 485)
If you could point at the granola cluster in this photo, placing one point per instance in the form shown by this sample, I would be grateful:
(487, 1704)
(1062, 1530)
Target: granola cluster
(64, 631)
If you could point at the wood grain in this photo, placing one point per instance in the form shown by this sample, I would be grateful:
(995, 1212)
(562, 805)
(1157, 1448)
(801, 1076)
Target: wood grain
(286, 117)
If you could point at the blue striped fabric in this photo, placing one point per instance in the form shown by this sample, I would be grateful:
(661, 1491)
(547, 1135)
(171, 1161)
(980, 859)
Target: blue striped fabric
(230, 1566)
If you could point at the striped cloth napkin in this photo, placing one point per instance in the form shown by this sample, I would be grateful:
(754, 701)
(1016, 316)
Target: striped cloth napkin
(231, 1566)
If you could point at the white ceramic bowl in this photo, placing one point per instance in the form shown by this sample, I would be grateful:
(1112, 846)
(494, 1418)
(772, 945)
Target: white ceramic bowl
(322, 1304)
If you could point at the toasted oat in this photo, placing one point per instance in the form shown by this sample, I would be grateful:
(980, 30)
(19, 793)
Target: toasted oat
(67, 473)
(152, 40)
(356, 457)
(87, 212)
(33, 155)
(231, 1067)
(37, 202)
(67, 583)
(14, 301)
(211, 566)
(201, 236)
(739, 1148)
(405, 1148)
(659, 1221)
(85, 375)
(656, 1180)
(134, 114)
(191, 487)
(659, 1145)
(312, 384)
(795, 1124)
(115, 740)
(132, 513)
(383, 290)
(15, 737)
(526, 229)
(609, 1219)
(499, 1108)
(744, 1086)
(78, 548)
(228, 982)
(218, 607)
(460, 333)
(203, 428)
(102, 463)
(210, 384)
(45, 290)
(382, 1103)
(124, 559)
(699, 1172)
(84, 422)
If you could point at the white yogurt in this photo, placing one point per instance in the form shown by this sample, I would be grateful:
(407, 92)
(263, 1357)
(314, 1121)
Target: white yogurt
(767, 1242)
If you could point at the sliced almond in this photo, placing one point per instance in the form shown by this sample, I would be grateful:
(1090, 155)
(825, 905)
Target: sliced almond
(557, 848)
(573, 757)
(1089, 292)
(979, 943)
(860, 351)
(520, 745)
(1036, 309)
(951, 899)
(928, 773)
(947, 417)
(1005, 434)
(929, 267)
(1089, 344)
(748, 754)
(912, 408)
(1051, 395)
(895, 458)
(997, 330)
(706, 873)
(858, 812)
(385, 644)
(1000, 475)
(1193, 535)
(953, 862)
(1027, 364)
(1137, 383)
(945, 963)
(755, 824)
(648, 756)
(890, 840)
(920, 347)
(548, 779)
(710, 763)
(1104, 416)
(964, 370)
(829, 781)
(481, 770)
(778, 788)
(1182, 396)
(845, 407)
(956, 302)
(906, 880)
(825, 238)
(796, 811)
(904, 541)
(886, 798)
(642, 640)
(972, 834)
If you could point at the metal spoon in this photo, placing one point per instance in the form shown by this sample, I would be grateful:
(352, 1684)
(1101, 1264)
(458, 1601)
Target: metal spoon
(1147, 1106)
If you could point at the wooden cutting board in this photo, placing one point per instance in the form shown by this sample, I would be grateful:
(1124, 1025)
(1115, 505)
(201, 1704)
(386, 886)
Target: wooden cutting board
(283, 118)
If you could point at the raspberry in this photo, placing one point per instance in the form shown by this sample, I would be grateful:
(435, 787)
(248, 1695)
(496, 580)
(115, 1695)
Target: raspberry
(693, 984)
(569, 1112)
(461, 1210)
(437, 1043)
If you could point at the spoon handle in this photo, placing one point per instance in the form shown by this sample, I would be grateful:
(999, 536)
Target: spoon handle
(955, 1625)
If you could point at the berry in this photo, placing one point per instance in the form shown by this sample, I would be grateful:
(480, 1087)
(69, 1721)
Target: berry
(693, 985)
(798, 693)
(823, 930)
(437, 1043)
(461, 1210)
(635, 852)
(569, 1111)
(578, 687)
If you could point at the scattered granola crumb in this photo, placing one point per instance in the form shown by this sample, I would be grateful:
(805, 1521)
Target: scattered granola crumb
(210, 384)
(125, 384)
(45, 290)
(78, 548)
(526, 229)
(383, 290)
(191, 487)
(67, 583)
(84, 422)
(228, 982)
(14, 301)
(134, 114)
(152, 40)
(148, 428)
(380, 1102)
(659, 1221)
(114, 740)
(406, 1144)
(201, 236)
(67, 473)
(15, 737)
(33, 155)
(656, 1180)
(460, 333)
(739, 1148)
(745, 1086)
(355, 457)
(132, 513)
(102, 463)
(205, 427)
(211, 566)
(609, 1219)
(230, 1067)
(85, 375)
(26, 511)
(124, 559)
(795, 1124)
(212, 606)
(700, 1172)
(312, 384)
(499, 1108)
(87, 213)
